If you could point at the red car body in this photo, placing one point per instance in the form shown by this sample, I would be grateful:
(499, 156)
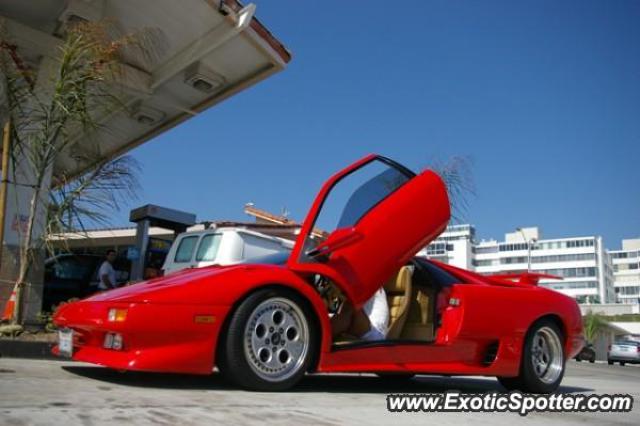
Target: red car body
(176, 323)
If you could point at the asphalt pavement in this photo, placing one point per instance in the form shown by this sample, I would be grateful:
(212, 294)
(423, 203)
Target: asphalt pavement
(53, 392)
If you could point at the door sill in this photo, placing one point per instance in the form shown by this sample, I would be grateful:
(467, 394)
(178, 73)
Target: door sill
(362, 344)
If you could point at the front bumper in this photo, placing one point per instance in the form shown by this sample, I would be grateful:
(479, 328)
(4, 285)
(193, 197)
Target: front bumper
(156, 337)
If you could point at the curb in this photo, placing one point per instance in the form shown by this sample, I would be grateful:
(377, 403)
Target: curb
(22, 349)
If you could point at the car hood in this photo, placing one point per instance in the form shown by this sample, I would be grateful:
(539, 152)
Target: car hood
(184, 286)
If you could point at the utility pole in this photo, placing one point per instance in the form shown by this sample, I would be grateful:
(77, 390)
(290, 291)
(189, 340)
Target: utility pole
(6, 148)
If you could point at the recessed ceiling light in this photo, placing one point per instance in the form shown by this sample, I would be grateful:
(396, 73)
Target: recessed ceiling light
(147, 115)
(203, 78)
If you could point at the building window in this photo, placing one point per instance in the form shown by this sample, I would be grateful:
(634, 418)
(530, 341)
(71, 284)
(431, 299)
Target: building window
(489, 262)
(565, 244)
(510, 260)
(485, 250)
(628, 291)
(572, 285)
(572, 272)
(563, 258)
(435, 249)
(513, 247)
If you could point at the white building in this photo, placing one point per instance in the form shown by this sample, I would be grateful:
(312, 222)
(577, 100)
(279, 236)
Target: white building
(582, 262)
(454, 246)
(626, 271)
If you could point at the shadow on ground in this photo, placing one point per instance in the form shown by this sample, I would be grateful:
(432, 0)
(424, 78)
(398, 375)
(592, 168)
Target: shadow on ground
(334, 383)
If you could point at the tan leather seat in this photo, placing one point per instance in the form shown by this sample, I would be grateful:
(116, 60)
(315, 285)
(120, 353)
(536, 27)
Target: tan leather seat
(398, 290)
(419, 322)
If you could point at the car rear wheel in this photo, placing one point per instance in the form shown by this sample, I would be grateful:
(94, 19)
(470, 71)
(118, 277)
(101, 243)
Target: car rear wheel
(622, 363)
(270, 341)
(543, 363)
(610, 362)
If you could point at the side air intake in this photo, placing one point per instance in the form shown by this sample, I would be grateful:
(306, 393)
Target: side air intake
(490, 353)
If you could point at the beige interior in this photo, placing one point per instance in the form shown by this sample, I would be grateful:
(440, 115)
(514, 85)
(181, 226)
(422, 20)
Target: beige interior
(410, 309)
(398, 290)
(419, 321)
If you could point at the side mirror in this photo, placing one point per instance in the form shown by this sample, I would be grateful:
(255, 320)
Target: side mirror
(340, 238)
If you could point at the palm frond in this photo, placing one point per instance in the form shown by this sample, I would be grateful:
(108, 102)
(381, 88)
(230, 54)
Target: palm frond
(593, 324)
(457, 174)
(91, 199)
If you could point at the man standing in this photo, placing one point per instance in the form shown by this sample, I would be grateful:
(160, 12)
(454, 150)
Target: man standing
(106, 274)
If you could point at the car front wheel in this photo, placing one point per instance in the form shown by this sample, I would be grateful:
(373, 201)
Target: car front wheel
(543, 363)
(270, 341)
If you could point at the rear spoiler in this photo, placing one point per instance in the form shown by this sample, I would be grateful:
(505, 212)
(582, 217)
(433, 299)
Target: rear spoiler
(523, 278)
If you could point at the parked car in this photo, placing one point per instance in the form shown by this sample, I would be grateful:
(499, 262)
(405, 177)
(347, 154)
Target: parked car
(220, 246)
(624, 351)
(588, 353)
(70, 276)
(266, 323)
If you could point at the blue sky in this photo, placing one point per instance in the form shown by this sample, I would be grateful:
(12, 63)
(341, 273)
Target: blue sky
(543, 96)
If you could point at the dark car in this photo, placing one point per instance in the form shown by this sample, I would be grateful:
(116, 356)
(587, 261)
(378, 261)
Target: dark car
(69, 276)
(588, 353)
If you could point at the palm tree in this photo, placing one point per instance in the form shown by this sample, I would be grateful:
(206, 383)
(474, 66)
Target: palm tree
(48, 118)
(593, 324)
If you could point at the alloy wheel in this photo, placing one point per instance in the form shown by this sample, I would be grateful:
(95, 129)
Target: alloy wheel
(276, 339)
(547, 356)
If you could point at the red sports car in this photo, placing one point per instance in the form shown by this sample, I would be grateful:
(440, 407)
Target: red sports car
(267, 323)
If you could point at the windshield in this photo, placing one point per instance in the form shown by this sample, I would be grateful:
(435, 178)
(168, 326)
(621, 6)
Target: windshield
(208, 248)
(352, 197)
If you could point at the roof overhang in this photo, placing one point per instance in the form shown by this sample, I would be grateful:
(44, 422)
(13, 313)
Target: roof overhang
(220, 40)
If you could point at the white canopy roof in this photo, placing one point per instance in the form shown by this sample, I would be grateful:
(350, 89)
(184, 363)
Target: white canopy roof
(627, 327)
(214, 49)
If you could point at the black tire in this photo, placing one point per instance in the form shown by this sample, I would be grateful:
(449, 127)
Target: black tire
(579, 359)
(510, 383)
(610, 362)
(538, 378)
(238, 360)
(622, 363)
(396, 377)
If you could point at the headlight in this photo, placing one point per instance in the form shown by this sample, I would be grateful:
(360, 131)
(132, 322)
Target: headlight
(117, 315)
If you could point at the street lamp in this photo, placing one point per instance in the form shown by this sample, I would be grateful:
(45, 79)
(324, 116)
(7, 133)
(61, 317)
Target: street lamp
(530, 243)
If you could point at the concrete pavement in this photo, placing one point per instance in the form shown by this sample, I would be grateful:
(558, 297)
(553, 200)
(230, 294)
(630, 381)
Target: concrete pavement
(53, 392)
